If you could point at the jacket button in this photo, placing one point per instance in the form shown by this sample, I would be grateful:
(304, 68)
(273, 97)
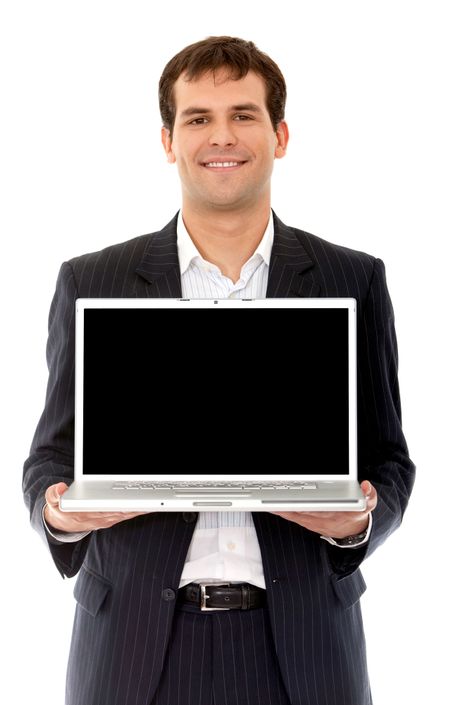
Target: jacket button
(168, 594)
(189, 517)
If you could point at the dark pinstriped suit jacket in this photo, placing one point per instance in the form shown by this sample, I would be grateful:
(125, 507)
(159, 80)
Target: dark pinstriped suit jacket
(129, 574)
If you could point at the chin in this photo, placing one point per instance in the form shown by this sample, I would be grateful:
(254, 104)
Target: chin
(224, 204)
(227, 201)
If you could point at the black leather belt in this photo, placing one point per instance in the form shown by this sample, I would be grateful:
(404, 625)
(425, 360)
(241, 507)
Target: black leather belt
(224, 596)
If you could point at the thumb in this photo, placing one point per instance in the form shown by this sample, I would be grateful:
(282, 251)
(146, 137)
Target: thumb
(366, 488)
(54, 492)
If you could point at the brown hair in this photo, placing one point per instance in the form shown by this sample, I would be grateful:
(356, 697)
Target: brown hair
(215, 53)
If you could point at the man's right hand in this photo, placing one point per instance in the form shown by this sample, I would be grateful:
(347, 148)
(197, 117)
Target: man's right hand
(78, 521)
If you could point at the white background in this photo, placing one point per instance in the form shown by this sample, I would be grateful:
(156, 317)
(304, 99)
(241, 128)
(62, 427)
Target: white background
(367, 167)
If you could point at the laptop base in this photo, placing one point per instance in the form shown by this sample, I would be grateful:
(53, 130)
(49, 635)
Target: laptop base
(100, 496)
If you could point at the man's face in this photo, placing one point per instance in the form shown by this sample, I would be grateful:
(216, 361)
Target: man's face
(223, 141)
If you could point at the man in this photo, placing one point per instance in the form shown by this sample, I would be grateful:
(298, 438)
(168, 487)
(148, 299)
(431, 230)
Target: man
(294, 633)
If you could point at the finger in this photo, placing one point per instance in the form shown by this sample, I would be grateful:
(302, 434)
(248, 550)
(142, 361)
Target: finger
(372, 503)
(371, 495)
(117, 518)
(129, 515)
(292, 516)
(92, 516)
(122, 516)
(112, 515)
(367, 488)
(54, 492)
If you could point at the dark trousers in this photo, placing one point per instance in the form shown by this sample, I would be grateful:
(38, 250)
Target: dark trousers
(220, 658)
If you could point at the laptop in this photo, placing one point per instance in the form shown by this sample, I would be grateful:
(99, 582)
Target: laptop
(215, 405)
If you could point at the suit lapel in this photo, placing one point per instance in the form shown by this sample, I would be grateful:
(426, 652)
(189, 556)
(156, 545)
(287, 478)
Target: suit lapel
(159, 265)
(290, 268)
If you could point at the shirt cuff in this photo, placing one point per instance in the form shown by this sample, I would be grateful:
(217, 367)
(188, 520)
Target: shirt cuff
(355, 545)
(63, 536)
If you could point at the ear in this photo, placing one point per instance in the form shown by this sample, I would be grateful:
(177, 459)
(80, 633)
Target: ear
(282, 137)
(167, 144)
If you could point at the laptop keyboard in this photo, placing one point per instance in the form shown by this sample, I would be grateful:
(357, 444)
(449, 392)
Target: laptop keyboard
(199, 485)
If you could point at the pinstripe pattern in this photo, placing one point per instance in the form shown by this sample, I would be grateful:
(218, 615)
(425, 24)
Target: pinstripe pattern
(220, 657)
(129, 574)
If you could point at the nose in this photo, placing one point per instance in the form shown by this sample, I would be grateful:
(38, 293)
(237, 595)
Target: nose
(222, 134)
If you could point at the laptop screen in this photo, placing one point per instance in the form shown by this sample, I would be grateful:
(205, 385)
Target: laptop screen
(203, 391)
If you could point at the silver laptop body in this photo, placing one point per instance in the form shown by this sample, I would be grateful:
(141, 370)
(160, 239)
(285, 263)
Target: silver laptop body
(215, 405)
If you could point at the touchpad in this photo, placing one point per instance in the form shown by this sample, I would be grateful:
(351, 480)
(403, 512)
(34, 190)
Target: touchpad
(211, 495)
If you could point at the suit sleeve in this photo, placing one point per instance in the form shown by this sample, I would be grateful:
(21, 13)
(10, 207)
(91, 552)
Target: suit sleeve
(383, 456)
(52, 449)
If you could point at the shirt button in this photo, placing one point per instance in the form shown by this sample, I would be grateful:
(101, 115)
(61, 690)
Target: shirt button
(231, 546)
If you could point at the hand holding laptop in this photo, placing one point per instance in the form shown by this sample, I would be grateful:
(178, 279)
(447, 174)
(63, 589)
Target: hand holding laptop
(79, 521)
(339, 525)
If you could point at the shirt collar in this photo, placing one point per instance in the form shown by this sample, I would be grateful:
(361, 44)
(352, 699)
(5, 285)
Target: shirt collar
(187, 251)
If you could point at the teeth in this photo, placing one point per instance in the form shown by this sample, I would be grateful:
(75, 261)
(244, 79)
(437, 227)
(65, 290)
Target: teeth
(222, 164)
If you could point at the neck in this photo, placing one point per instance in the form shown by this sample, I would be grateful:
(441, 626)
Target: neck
(227, 238)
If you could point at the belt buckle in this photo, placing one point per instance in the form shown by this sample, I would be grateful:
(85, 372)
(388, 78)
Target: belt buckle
(204, 597)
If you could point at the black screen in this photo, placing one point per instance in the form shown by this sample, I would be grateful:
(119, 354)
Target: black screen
(255, 391)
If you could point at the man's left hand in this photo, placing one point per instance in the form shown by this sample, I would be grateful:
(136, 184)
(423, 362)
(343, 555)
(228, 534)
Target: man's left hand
(337, 525)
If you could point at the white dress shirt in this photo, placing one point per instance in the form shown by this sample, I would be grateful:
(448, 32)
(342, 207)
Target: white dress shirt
(224, 545)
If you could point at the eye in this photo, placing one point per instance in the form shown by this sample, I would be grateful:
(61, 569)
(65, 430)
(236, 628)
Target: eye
(197, 121)
(203, 120)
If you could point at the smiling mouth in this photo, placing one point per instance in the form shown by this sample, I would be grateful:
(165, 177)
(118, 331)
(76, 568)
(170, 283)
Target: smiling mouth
(223, 166)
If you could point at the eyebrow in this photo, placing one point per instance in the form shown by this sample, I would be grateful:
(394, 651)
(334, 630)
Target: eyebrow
(249, 107)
